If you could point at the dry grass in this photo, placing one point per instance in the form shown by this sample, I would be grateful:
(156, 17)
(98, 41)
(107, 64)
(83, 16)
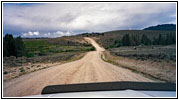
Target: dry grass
(109, 37)
(163, 71)
(14, 72)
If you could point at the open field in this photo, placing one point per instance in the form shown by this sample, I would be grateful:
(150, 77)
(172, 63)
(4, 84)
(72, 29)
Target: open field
(158, 69)
(43, 47)
(153, 52)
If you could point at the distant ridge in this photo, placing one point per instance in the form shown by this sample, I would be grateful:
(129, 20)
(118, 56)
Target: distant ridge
(162, 27)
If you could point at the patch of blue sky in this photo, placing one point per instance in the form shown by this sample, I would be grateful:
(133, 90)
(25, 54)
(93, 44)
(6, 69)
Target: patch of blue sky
(21, 4)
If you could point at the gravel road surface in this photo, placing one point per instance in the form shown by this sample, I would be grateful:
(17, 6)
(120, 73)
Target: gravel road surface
(91, 68)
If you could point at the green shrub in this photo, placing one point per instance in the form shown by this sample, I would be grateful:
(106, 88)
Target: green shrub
(5, 72)
(22, 69)
(68, 50)
(92, 49)
(30, 54)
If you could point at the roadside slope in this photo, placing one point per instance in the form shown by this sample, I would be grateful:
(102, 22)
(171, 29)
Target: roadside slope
(91, 68)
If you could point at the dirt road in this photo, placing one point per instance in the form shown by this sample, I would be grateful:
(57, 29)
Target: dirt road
(91, 68)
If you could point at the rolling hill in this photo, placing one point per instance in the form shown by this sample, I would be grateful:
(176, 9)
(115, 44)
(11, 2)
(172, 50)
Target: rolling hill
(162, 27)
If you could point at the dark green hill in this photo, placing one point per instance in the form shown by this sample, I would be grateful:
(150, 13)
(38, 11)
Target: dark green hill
(162, 27)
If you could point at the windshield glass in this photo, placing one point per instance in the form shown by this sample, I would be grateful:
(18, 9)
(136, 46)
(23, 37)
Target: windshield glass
(76, 42)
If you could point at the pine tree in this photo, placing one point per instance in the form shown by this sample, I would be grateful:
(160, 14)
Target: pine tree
(161, 40)
(145, 40)
(126, 40)
(134, 40)
(138, 40)
(168, 40)
(20, 48)
(117, 43)
(155, 41)
(173, 38)
(5, 51)
(13, 46)
(9, 44)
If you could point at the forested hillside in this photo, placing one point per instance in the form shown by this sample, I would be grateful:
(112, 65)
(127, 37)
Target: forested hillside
(162, 27)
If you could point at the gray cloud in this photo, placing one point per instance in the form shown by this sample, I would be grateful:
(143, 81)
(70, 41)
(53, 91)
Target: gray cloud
(85, 17)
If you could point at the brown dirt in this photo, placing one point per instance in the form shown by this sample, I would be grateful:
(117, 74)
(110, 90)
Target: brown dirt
(160, 70)
(14, 72)
(91, 68)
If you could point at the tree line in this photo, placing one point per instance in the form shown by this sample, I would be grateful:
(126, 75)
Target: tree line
(13, 46)
(135, 40)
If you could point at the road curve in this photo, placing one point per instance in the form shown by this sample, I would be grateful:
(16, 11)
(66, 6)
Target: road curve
(91, 68)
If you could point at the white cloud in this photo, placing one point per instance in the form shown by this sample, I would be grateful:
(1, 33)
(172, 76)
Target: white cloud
(53, 34)
(86, 17)
(47, 34)
(60, 33)
(30, 34)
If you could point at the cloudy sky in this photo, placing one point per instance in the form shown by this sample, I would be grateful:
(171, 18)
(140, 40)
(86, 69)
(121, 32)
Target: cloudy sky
(59, 19)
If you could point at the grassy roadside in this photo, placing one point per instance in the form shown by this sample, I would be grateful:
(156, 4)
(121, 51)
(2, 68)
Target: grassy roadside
(41, 55)
(149, 69)
(14, 72)
(43, 47)
(76, 57)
